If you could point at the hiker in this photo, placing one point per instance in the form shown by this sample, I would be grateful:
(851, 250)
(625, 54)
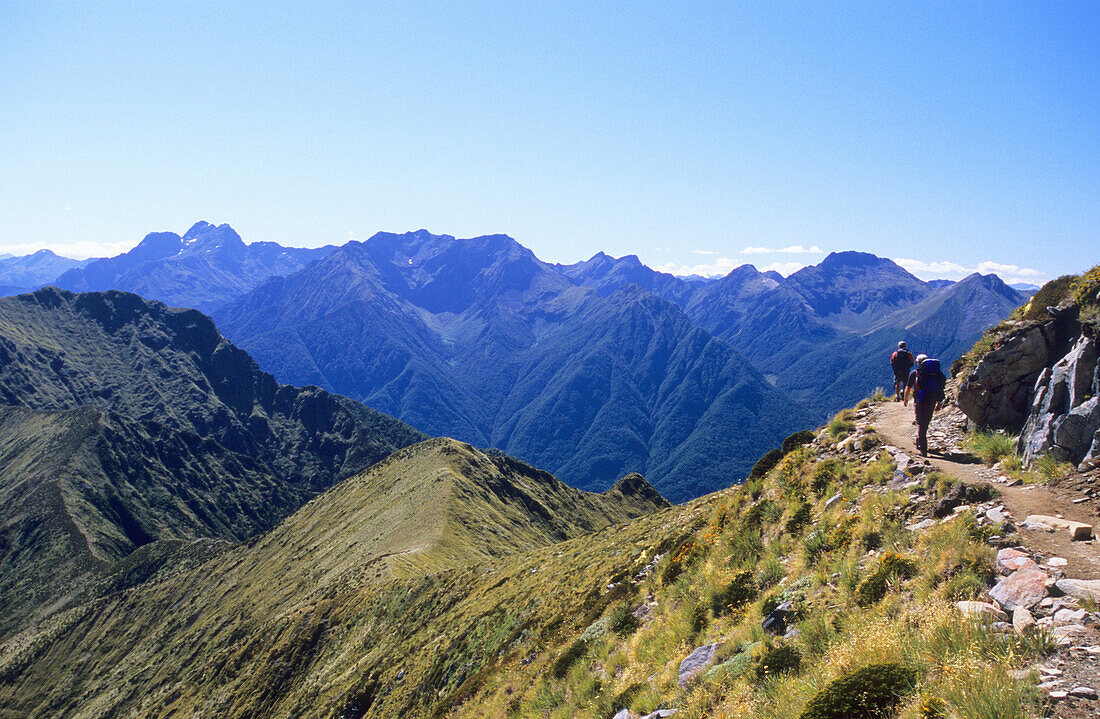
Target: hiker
(926, 383)
(901, 362)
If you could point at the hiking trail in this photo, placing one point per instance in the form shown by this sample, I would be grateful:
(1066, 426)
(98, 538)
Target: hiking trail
(894, 422)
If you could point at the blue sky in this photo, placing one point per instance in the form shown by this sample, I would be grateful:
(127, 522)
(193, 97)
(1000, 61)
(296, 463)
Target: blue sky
(954, 136)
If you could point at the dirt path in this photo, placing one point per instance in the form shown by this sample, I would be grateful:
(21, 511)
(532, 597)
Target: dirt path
(894, 422)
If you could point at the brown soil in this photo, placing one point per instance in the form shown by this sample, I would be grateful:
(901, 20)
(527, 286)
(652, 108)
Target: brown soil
(894, 422)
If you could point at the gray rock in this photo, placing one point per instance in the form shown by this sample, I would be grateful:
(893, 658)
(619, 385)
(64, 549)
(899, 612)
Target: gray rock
(696, 662)
(1022, 621)
(1080, 588)
(981, 609)
(1069, 616)
(661, 714)
(1023, 588)
(1083, 692)
(776, 621)
(997, 391)
(1010, 560)
(624, 713)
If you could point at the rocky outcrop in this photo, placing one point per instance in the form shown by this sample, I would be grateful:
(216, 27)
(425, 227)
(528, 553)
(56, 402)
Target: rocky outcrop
(998, 391)
(1043, 381)
(1065, 412)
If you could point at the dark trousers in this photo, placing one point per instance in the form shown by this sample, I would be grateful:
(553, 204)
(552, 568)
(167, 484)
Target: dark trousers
(923, 412)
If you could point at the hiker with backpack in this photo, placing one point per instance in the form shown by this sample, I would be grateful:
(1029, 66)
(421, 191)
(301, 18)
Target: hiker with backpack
(926, 384)
(901, 362)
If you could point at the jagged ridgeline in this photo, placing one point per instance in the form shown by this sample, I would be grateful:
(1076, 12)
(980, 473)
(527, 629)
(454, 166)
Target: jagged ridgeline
(129, 422)
(387, 597)
(480, 340)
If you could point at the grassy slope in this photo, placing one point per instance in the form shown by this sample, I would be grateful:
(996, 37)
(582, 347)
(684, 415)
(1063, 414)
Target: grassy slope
(295, 624)
(81, 489)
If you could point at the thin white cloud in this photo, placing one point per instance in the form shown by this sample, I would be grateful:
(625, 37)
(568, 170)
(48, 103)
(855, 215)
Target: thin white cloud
(954, 271)
(77, 249)
(719, 268)
(792, 250)
(783, 268)
(704, 252)
(722, 266)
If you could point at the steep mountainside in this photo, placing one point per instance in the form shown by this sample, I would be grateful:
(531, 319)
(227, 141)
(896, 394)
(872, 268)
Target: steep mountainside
(118, 352)
(129, 422)
(479, 340)
(81, 489)
(32, 271)
(205, 268)
(690, 608)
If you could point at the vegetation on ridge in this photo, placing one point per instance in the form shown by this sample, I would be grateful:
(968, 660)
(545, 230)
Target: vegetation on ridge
(581, 628)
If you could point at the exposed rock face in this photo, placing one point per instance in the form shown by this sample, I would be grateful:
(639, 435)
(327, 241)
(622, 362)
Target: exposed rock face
(1043, 381)
(997, 392)
(1065, 413)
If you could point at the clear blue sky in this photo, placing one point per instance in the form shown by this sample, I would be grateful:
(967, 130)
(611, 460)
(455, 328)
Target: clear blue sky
(962, 133)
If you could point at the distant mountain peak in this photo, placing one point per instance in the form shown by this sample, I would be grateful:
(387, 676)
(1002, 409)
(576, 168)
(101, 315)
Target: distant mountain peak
(854, 259)
(204, 235)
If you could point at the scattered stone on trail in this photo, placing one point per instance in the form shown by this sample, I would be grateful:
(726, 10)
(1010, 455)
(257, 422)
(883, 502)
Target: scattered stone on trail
(1080, 588)
(696, 662)
(1062, 635)
(1022, 620)
(1070, 616)
(1056, 562)
(1078, 530)
(981, 609)
(1058, 695)
(1083, 692)
(624, 713)
(996, 514)
(1010, 560)
(1023, 588)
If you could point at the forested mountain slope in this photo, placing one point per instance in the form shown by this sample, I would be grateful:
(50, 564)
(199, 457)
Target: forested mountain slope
(479, 340)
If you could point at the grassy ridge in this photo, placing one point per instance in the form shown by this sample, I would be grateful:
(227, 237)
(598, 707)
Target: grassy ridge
(578, 628)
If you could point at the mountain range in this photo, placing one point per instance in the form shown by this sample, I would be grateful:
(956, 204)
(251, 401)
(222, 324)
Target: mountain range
(479, 340)
(29, 272)
(204, 268)
(824, 333)
(589, 370)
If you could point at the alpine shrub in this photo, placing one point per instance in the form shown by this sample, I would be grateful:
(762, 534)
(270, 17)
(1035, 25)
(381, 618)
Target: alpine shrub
(873, 691)
(773, 661)
(824, 474)
(698, 618)
(801, 517)
(797, 439)
(765, 463)
(873, 588)
(740, 591)
(622, 619)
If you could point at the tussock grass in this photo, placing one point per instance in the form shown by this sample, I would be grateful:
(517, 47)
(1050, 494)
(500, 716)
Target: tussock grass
(991, 447)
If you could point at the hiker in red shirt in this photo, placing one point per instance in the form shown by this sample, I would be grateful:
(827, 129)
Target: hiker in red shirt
(926, 384)
(901, 362)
